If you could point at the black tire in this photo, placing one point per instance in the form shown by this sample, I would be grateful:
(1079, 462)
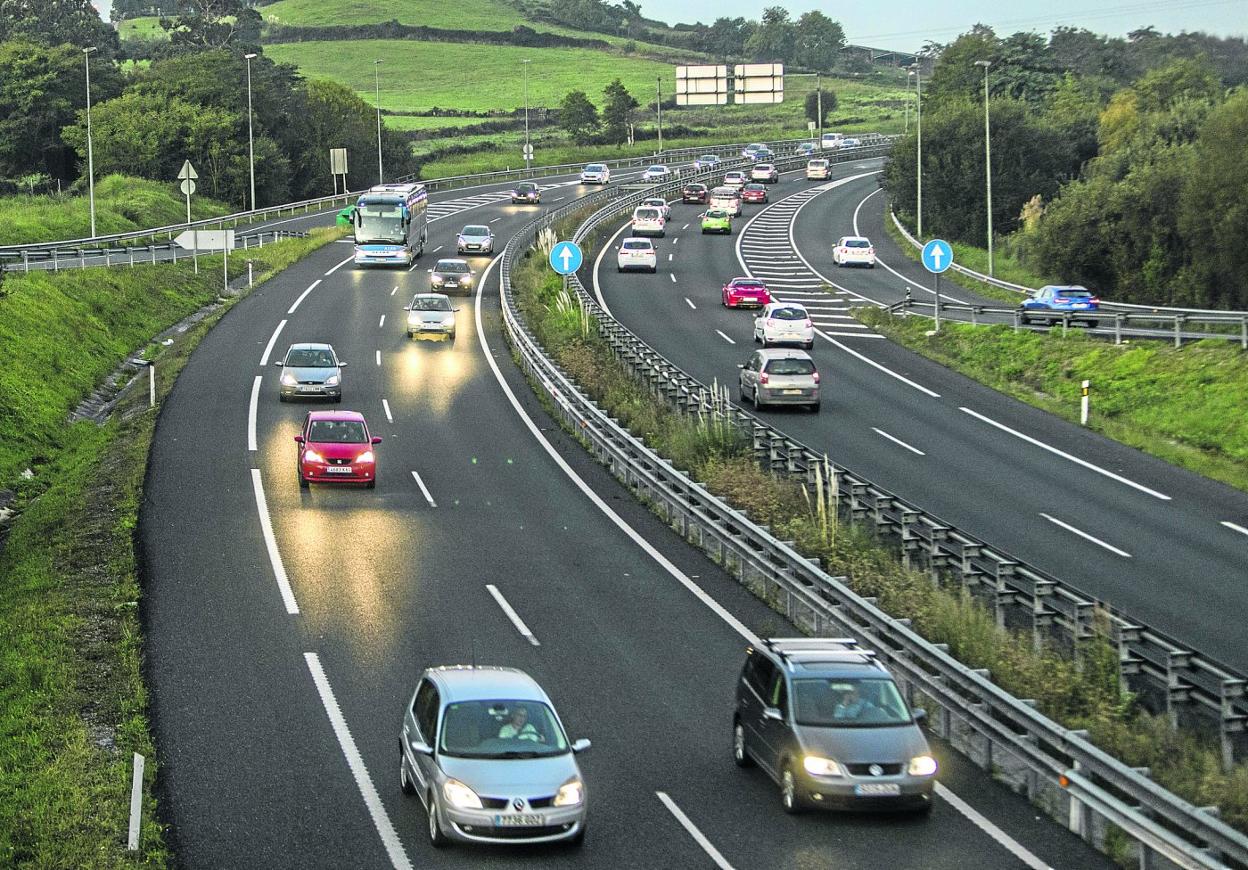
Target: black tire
(815, 408)
(437, 839)
(925, 809)
(281, 397)
(758, 406)
(619, 269)
(1024, 320)
(338, 400)
(739, 755)
(372, 484)
(654, 270)
(405, 784)
(303, 484)
(810, 344)
(704, 231)
(791, 800)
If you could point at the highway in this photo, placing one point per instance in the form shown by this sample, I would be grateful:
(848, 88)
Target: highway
(1165, 545)
(285, 629)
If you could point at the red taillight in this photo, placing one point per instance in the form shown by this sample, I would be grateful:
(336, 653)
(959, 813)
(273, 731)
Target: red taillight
(809, 324)
(762, 379)
(770, 322)
(1095, 300)
(816, 376)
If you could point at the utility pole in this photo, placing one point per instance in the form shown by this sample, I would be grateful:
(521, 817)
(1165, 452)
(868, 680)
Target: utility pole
(377, 99)
(659, 90)
(987, 160)
(86, 56)
(528, 161)
(819, 104)
(918, 169)
(251, 144)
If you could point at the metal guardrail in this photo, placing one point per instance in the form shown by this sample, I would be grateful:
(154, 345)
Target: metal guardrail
(51, 259)
(1060, 764)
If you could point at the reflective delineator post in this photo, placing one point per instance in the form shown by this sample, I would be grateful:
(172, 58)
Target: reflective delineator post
(1083, 404)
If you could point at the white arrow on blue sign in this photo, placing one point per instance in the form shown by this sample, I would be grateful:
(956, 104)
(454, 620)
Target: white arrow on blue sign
(937, 256)
(566, 258)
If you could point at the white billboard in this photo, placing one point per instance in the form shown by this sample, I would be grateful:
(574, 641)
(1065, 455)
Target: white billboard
(705, 85)
(758, 82)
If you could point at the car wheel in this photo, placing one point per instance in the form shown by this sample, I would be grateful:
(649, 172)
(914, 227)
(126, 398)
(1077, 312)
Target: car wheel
(654, 270)
(372, 484)
(810, 344)
(758, 406)
(924, 809)
(619, 268)
(404, 783)
(814, 409)
(790, 799)
(338, 400)
(281, 397)
(303, 483)
(437, 839)
(739, 755)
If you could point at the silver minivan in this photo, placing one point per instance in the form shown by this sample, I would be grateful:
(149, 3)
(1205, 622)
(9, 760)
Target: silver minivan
(780, 376)
(488, 756)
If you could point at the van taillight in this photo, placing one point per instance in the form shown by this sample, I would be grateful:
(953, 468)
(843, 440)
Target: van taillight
(809, 324)
(762, 378)
(816, 376)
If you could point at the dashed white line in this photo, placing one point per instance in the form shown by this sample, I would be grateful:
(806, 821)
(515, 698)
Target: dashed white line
(691, 305)
(897, 441)
(724, 337)
(396, 288)
(438, 248)
(1068, 527)
(303, 296)
(1015, 848)
(378, 357)
(385, 404)
(424, 490)
(1075, 459)
(268, 348)
(355, 761)
(685, 227)
(381, 322)
(693, 831)
(251, 412)
(340, 265)
(1235, 528)
(511, 614)
(270, 544)
(669, 257)
(675, 239)
(496, 220)
(673, 277)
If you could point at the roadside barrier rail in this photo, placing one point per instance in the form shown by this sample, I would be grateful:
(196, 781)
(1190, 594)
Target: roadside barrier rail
(1060, 768)
(133, 255)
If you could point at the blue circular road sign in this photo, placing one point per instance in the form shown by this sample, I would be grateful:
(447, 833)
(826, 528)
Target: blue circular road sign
(937, 256)
(566, 258)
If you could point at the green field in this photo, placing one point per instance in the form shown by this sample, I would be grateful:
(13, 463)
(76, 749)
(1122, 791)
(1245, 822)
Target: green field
(478, 15)
(436, 122)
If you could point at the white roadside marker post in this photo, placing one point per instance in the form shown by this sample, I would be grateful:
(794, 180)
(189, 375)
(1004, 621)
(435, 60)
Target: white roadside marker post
(1083, 404)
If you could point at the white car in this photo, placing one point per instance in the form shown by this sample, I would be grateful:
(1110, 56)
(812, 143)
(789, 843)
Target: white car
(753, 148)
(850, 143)
(648, 221)
(784, 323)
(854, 251)
(832, 140)
(818, 169)
(656, 173)
(596, 173)
(735, 178)
(634, 253)
(661, 204)
(706, 161)
(765, 172)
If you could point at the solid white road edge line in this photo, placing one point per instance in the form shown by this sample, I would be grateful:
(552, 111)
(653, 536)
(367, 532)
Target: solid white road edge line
(511, 614)
(424, 490)
(725, 338)
(340, 265)
(637, 538)
(693, 831)
(270, 543)
(303, 296)
(884, 369)
(909, 281)
(268, 348)
(598, 264)
(385, 404)
(1235, 528)
(251, 412)
(355, 761)
(1075, 459)
(897, 441)
(1068, 527)
(1015, 848)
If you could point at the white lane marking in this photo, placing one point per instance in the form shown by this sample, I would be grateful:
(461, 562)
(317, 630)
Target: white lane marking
(598, 264)
(340, 265)
(637, 538)
(944, 294)
(268, 348)
(827, 332)
(511, 614)
(424, 490)
(685, 227)
(897, 441)
(669, 257)
(673, 277)
(1015, 848)
(381, 322)
(559, 199)
(675, 240)
(396, 288)
(496, 220)
(1075, 459)
(355, 761)
(1235, 528)
(411, 268)
(378, 357)
(691, 305)
(693, 831)
(438, 248)
(270, 543)
(725, 338)
(303, 296)
(885, 370)
(251, 412)
(386, 405)
(1068, 527)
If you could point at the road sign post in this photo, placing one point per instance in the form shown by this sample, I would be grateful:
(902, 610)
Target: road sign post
(338, 166)
(937, 257)
(566, 258)
(187, 176)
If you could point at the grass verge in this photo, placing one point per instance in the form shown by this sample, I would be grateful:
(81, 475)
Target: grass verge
(1079, 694)
(73, 706)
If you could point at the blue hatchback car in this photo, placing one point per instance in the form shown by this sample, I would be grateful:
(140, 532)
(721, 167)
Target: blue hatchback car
(1053, 303)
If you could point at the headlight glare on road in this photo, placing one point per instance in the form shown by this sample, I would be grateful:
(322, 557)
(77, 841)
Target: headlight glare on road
(459, 795)
(922, 765)
(570, 794)
(818, 766)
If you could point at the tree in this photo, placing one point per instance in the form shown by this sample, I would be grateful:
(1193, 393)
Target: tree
(336, 117)
(812, 105)
(617, 112)
(578, 117)
(214, 24)
(817, 41)
(726, 37)
(955, 76)
(55, 22)
(773, 39)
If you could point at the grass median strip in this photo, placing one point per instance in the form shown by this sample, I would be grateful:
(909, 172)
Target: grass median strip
(73, 705)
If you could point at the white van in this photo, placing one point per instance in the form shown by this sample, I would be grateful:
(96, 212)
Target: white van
(648, 221)
(818, 169)
(727, 198)
(831, 140)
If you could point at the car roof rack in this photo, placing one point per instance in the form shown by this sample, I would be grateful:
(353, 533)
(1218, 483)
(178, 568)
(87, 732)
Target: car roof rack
(804, 650)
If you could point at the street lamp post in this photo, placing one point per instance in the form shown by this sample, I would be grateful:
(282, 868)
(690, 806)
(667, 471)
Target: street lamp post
(658, 89)
(987, 160)
(251, 144)
(377, 99)
(918, 168)
(819, 104)
(528, 161)
(86, 57)
(909, 76)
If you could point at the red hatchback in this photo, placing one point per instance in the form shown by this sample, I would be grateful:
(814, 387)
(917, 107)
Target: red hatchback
(754, 192)
(745, 292)
(336, 447)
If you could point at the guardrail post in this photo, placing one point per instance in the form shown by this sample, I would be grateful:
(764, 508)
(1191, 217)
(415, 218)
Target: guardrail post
(1041, 613)
(1243, 333)
(1003, 594)
(82, 259)
(1178, 691)
(1018, 320)
(152, 248)
(26, 262)
(1178, 330)
(1232, 722)
(56, 265)
(1119, 317)
(1128, 662)
(975, 311)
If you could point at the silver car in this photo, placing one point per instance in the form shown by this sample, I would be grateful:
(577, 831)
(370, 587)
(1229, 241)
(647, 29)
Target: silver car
(780, 376)
(310, 370)
(451, 276)
(430, 315)
(484, 750)
(475, 239)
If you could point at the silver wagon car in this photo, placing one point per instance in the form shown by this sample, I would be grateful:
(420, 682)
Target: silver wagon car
(484, 750)
(778, 376)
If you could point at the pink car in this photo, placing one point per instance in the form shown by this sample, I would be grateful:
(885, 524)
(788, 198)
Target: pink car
(745, 292)
(336, 447)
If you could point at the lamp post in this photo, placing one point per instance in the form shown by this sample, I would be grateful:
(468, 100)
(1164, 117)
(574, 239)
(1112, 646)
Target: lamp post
(86, 57)
(528, 161)
(918, 168)
(658, 89)
(377, 99)
(909, 76)
(987, 160)
(819, 104)
(251, 144)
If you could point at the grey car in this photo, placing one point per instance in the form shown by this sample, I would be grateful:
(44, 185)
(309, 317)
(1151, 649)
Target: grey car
(484, 750)
(825, 720)
(780, 376)
(430, 315)
(475, 239)
(451, 276)
(310, 370)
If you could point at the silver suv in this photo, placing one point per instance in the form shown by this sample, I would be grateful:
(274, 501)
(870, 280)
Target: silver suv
(778, 376)
(488, 756)
(826, 721)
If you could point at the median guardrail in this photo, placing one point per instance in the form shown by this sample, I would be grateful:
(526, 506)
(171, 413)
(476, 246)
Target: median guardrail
(1058, 765)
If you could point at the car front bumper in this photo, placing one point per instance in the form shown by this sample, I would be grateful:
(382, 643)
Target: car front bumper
(842, 793)
(474, 249)
(310, 391)
(315, 472)
(477, 826)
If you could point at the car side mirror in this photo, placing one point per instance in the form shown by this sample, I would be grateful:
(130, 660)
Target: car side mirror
(342, 363)
(773, 713)
(407, 308)
(740, 365)
(580, 745)
(279, 363)
(454, 309)
(420, 747)
(376, 439)
(430, 271)
(298, 439)
(920, 715)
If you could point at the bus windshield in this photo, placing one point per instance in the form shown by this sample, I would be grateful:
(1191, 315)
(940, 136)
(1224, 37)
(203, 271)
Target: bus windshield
(380, 223)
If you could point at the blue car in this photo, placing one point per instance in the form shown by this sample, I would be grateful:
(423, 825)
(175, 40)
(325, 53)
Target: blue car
(1053, 304)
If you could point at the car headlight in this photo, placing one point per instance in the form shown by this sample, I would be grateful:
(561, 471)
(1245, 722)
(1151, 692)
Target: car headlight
(289, 379)
(922, 765)
(818, 766)
(436, 280)
(332, 381)
(460, 795)
(449, 320)
(570, 794)
(460, 240)
(366, 456)
(313, 456)
(413, 317)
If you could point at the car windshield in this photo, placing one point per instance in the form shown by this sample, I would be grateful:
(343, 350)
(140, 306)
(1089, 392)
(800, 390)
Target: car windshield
(634, 245)
(338, 432)
(380, 222)
(788, 314)
(818, 164)
(453, 267)
(525, 188)
(595, 167)
(764, 167)
(708, 158)
(431, 303)
(657, 169)
(475, 231)
(725, 192)
(790, 367)
(853, 703)
(735, 175)
(657, 203)
(755, 187)
(857, 243)
(501, 729)
(310, 358)
(695, 188)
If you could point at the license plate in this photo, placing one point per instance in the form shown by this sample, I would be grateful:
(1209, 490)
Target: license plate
(520, 820)
(878, 789)
(311, 389)
(1079, 305)
(338, 469)
(791, 392)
